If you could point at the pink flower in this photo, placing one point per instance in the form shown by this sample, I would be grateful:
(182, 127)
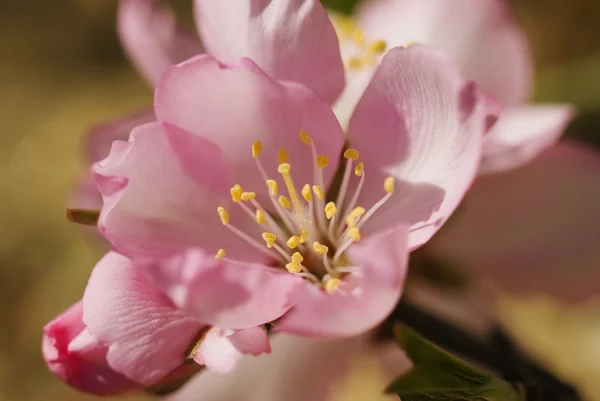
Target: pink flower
(481, 36)
(211, 174)
(128, 335)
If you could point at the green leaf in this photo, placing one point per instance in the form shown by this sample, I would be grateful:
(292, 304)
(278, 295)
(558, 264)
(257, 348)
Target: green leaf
(342, 6)
(88, 217)
(440, 376)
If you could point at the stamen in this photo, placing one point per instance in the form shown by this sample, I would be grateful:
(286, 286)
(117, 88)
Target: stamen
(293, 267)
(293, 242)
(260, 217)
(223, 215)
(236, 193)
(330, 210)
(269, 238)
(332, 285)
(322, 161)
(256, 148)
(220, 254)
(248, 196)
(303, 236)
(273, 187)
(358, 190)
(354, 63)
(306, 194)
(282, 155)
(354, 234)
(351, 154)
(284, 169)
(358, 170)
(318, 191)
(304, 137)
(388, 186)
(225, 220)
(284, 202)
(378, 46)
(320, 248)
(297, 258)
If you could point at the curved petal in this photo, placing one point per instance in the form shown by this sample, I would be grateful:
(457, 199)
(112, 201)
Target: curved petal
(363, 300)
(224, 293)
(161, 191)
(420, 123)
(534, 229)
(221, 351)
(152, 37)
(479, 35)
(99, 139)
(298, 370)
(292, 40)
(147, 336)
(72, 364)
(210, 99)
(521, 133)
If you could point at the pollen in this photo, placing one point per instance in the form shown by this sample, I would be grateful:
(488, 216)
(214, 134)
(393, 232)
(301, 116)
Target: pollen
(297, 258)
(354, 234)
(355, 63)
(236, 193)
(332, 285)
(378, 46)
(284, 168)
(305, 138)
(248, 196)
(293, 267)
(256, 149)
(357, 212)
(351, 221)
(260, 216)
(322, 161)
(270, 239)
(282, 155)
(293, 242)
(306, 194)
(330, 210)
(223, 215)
(358, 36)
(388, 185)
(303, 236)
(273, 187)
(359, 169)
(318, 191)
(220, 254)
(351, 154)
(320, 248)
(284, 202)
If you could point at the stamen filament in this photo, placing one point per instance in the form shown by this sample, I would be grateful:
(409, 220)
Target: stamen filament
(284, 170)
(353, 201)
(253, 242)
(350, 155)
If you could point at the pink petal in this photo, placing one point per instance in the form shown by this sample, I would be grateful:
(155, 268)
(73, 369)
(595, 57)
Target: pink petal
(72, 364)
(521, 134)
(100, 138)
(298, 369)
(161, 191)
(226, 293)
(363, 300)
(147, 336)
(420, 123)
(210, 99)
(152, 37)
(292, 40)
(221, 351)
(480, 35)
(534, 229)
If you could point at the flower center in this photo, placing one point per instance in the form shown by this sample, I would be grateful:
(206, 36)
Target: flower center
(357, 52)
(307, 234)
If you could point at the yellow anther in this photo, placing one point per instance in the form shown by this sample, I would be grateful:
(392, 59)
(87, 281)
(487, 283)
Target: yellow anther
(388, 185)
(410, 43)
(270, 239)
(284, 201)
(351, 221)
(248, 196)
(357, 212)
(256, 148)
(220, 254)
(358, 36)
(318, 191)
(378, 46)
(303, 236)
(355, 63)
(322, 161)
(260, 216)
(332, 285)
(223, 215)
(293, 267)
(293, 242)
(297, 258)
(330, 210)
(306, 194)
(236, 193)
(359, 169)
(351, 154)
(273, 187)
(305, 138)
(282, 155)
(354, 234)
(284, 168)
(320, 248)
(346, 25)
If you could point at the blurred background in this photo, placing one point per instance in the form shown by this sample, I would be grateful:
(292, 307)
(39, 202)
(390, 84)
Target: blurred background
(62, 70)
